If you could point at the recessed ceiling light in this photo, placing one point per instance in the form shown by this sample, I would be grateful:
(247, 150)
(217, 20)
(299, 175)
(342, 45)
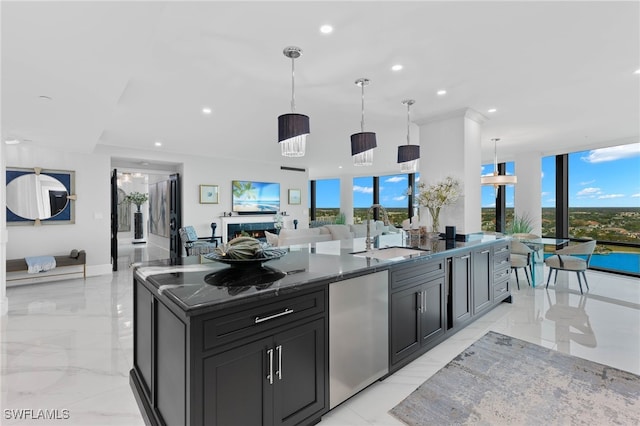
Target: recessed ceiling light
(326, 29)
(637, 71)
(339, 167)
(158, 143)
(206, 110)
(396, 67)
(441, 92)
(492, 110)
(12, 142)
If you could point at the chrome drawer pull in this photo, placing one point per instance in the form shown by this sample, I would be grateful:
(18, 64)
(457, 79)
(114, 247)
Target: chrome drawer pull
(279, 370)
(270, 375)
(287, 311)
(465, 257)
(485, 251)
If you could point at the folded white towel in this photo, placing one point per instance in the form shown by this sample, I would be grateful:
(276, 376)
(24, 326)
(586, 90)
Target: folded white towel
(40, 263)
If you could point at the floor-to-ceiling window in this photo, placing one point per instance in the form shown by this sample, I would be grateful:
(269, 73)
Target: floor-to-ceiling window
(394, 197)
(327, 200)
(548, 196)
(488, 199)
(362, 197)
(604, 204)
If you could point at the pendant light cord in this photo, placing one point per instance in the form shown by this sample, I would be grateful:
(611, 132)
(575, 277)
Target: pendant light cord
(408, 122)
(293, 85)
(362, 121)
(495, 156)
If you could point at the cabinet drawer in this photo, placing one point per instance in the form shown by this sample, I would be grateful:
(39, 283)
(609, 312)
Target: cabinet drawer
(501, 260)
(499, 289)
(500, 249)
(416, 274)
(225, 329)
(502, 274)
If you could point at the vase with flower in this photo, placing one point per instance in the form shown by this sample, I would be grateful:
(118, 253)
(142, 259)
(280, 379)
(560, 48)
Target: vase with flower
(138, 199)
(438, 195)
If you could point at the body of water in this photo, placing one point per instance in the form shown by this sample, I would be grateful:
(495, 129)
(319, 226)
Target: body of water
(619, 261)
(616, 261)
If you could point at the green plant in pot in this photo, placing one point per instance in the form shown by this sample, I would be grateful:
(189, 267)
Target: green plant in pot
(521, 224)
(341, 219)
(137, 198)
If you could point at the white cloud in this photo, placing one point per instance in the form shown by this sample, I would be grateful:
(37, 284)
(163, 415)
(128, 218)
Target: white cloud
(636, 195)
(587, 183)
(396, 179)
(399, 198)
(613, 153)
(607, 196)
(589, 192)
(363, 189)
(541, 175)
(545, 194)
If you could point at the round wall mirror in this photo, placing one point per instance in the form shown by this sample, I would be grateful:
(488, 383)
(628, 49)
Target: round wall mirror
(36, 196)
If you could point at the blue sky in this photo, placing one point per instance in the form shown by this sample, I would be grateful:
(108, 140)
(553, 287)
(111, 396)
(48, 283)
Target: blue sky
(607, 177)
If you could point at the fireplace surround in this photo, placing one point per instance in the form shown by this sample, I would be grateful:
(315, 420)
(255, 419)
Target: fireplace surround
(233, 226)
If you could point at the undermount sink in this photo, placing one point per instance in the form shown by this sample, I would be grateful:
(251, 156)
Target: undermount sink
(387, 253)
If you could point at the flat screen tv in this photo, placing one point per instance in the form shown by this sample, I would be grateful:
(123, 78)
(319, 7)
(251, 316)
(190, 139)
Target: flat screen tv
(250, 197)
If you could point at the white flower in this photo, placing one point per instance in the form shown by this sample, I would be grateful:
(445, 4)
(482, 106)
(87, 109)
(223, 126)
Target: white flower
(440, 194)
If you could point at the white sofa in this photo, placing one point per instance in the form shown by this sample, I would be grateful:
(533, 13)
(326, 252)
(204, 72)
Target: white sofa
(288, 237)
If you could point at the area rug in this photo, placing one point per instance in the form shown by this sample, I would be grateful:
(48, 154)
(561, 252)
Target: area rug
(503, 380)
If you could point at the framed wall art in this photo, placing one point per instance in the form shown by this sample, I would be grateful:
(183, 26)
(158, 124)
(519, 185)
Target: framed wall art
(294, 196)
(209, 194)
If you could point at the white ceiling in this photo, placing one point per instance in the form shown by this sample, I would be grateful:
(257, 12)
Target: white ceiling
(126, 74)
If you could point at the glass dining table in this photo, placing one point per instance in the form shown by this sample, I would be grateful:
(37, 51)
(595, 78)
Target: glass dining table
(537, 257)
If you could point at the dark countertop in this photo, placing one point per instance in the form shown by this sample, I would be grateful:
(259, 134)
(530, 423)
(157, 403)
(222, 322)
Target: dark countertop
(196, 284)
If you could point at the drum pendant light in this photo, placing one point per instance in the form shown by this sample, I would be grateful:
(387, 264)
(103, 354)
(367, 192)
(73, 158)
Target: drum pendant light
(293, 128)
(495, 179)
(363, 143)
(408, 154)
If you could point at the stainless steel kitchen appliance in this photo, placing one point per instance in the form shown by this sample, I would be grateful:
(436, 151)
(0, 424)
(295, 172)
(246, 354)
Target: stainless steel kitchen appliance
(358, 334)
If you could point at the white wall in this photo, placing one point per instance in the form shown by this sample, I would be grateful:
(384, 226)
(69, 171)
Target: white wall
(450, 146)
(4, 303)
(528, 190)
(91, 231)
(195, 171)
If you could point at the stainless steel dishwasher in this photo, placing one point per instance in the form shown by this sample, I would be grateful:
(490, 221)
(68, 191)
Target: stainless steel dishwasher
(358, 334)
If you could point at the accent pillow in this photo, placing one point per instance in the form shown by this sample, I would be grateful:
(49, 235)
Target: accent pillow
(340, 232)
(272, 239)
(191, 233)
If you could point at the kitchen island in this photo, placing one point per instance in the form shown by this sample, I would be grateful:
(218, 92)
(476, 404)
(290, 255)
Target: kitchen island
(219, 344)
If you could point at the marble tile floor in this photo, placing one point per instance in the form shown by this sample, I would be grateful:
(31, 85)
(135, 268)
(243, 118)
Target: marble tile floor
(67, 345)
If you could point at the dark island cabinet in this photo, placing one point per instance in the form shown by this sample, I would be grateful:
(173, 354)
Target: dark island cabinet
(263, 363)
(278, 380)
(417, 309)
(461, 278)
(482, 279)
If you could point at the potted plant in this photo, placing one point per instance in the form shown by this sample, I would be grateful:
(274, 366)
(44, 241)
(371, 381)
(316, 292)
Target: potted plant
(438, 195)
(137, 198)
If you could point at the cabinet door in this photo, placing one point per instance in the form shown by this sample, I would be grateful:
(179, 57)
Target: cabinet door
(432, 317)
(143, 318)
(482, 280)
(460, 288)
(237, 390)
(405, 332)
(299, 373)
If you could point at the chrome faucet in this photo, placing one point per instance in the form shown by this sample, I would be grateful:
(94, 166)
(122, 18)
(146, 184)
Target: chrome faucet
(385, 218)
